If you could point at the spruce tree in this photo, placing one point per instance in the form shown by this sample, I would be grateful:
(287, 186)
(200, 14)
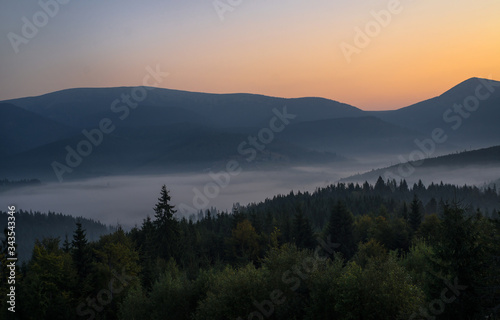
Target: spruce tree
(80, 252)
(302, 232)
(66, 245)
(403, 186)
(164, 211)
(458, 259)
(166, 226)
(415, 217)
(340, 229)
(404, 213)
(379, 185)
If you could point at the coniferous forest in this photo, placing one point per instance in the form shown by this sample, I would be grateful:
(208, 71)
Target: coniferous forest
(249, 160)
(383, 251)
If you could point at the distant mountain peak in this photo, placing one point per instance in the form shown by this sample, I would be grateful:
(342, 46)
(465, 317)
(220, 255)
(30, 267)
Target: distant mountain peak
(467, 86)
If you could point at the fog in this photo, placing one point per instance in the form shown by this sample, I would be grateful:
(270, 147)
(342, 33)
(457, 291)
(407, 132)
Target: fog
(127, 200)
(471, 175)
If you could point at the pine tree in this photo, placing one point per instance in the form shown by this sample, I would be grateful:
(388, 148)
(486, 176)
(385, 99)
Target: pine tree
(340, 229)
(164, 212)
(404, 213)
(147, 247)
(66, 245)
(458, 258)
(379, 185)
(431, 206)
(415, 217)
(403, 186)
(166, 226)
(302, 232)
(366, 186)
(80, 252)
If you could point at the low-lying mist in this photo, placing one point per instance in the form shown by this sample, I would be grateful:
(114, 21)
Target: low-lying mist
(127, 200)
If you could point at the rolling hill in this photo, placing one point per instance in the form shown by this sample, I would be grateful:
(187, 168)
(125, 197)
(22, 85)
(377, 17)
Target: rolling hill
(468, 113)
(172, 130)
(361, 136)
(22, 130)
(84, 107)
(476, 166)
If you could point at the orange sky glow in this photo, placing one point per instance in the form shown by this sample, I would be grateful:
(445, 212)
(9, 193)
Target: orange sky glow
(294, 49)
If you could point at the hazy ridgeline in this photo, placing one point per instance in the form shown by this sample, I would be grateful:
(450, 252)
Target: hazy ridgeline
(257, 189)
(269, 160)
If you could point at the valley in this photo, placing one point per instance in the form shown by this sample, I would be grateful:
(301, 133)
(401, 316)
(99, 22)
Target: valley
(255, 146)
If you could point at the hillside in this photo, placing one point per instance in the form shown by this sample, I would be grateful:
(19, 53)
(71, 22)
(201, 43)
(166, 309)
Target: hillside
(175, 130)
(32, 226)
(84, 107)
(180, 147)
(353, 136)
(22, 130)
(477, 166)
(468, 113)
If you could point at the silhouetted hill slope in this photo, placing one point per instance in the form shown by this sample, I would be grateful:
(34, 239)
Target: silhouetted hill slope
(468, 113)
(160, 149)
(173, 129)
(353, 136)
(84, 107)
(31, 226)
(22, 130)
(477, 165)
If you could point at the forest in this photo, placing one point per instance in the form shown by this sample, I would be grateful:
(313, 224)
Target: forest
(33, 225)
(347, 251)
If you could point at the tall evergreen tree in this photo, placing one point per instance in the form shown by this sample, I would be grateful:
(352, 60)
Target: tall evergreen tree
(404, 213)
(166, 226)
(340, 229)
(458, 259)
(403, 186)
(147, 246)
(379, 185)
(66, 245)
(164, 211)
(303, 234)
(431, 206)
(415, 217)
(80, 252)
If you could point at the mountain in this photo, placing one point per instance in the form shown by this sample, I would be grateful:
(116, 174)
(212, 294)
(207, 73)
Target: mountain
(150, 130)
(471, 167)
(22, 130)
(359, 136)
(159, 149)
(468, 113)
(85, 107)
(169, 131)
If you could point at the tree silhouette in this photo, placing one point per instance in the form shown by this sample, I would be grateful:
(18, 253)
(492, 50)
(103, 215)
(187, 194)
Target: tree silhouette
(415, 217)
(340, 229)
(166, 226)
(80, 251)
(302, 231)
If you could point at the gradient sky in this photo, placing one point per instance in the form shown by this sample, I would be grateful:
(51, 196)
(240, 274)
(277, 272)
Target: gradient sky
(278, 48)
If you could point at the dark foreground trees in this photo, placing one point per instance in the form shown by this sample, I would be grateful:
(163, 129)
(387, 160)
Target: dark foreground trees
(301, 256)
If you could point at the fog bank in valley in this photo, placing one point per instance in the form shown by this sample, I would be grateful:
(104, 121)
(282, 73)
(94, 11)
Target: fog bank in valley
(127, 200)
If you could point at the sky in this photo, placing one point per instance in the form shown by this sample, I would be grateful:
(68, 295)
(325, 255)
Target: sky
(375, 55)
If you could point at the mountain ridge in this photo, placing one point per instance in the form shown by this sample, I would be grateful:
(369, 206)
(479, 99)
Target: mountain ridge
(318, 128)
(486, 158)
